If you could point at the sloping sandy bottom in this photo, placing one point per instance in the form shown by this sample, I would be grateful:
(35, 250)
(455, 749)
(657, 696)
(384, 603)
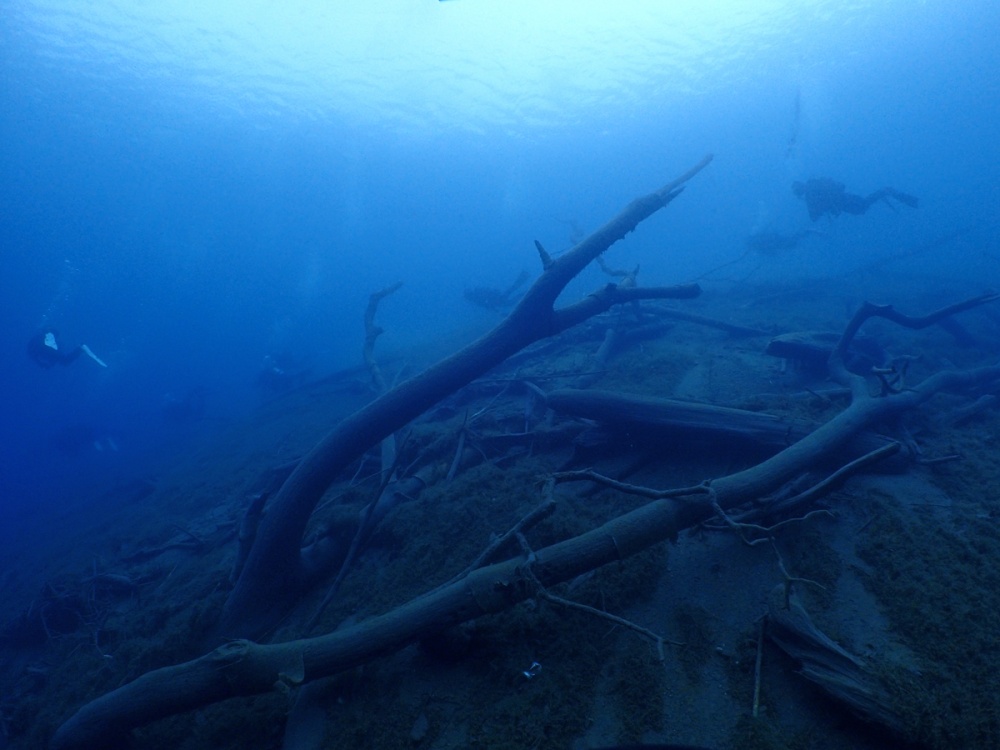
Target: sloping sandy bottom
(900, 571)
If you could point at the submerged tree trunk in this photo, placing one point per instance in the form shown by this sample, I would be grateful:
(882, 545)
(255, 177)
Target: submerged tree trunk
(718, 426)
(274, 574)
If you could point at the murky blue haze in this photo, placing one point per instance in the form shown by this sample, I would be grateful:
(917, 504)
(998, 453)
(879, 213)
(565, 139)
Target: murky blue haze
(188, 190)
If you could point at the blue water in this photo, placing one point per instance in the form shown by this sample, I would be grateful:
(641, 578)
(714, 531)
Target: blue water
(188, 190)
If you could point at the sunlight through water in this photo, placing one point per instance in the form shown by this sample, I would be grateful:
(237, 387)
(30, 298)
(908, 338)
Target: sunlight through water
(414, 64)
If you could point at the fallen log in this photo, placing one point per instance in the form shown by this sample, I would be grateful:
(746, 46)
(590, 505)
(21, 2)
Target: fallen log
(810, 351)
(691, 421)
(733, 329)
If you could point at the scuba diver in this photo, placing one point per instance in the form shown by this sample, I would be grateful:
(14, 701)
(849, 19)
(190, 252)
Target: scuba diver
(280, 373)
(826, 196)
(44, 349)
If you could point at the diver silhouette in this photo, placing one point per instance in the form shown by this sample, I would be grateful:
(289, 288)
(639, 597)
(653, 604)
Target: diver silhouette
(826, 196)
(44, 349)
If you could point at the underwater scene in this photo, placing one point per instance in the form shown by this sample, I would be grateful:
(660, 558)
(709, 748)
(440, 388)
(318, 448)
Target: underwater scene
(503, 375)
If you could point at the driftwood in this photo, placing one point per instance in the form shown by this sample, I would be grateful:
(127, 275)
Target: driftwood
(968, 412)
(178, 542)
(244, 668)
(208, 539)
(811, 350)
(733, 329)
(690, 421)
(837, 672)
(275, 573)
(371, 515)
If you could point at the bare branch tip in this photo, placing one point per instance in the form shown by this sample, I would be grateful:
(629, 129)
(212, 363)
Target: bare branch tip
(544, 255)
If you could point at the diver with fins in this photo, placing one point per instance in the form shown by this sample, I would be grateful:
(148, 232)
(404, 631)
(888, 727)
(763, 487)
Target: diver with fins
(825, 196)
(43, 348)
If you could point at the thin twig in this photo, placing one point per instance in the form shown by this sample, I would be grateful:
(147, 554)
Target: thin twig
(544, 593)
(631, 489)
(541, 512)
(757, 666)
(767, 531)
(790, 579)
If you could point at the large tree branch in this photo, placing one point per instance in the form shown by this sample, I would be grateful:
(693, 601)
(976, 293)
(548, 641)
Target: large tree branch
(273, 577)
(870, 310)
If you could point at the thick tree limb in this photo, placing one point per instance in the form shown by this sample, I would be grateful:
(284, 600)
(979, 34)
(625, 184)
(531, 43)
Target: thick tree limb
(273, 577)
(689, 419)
(732, 329)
